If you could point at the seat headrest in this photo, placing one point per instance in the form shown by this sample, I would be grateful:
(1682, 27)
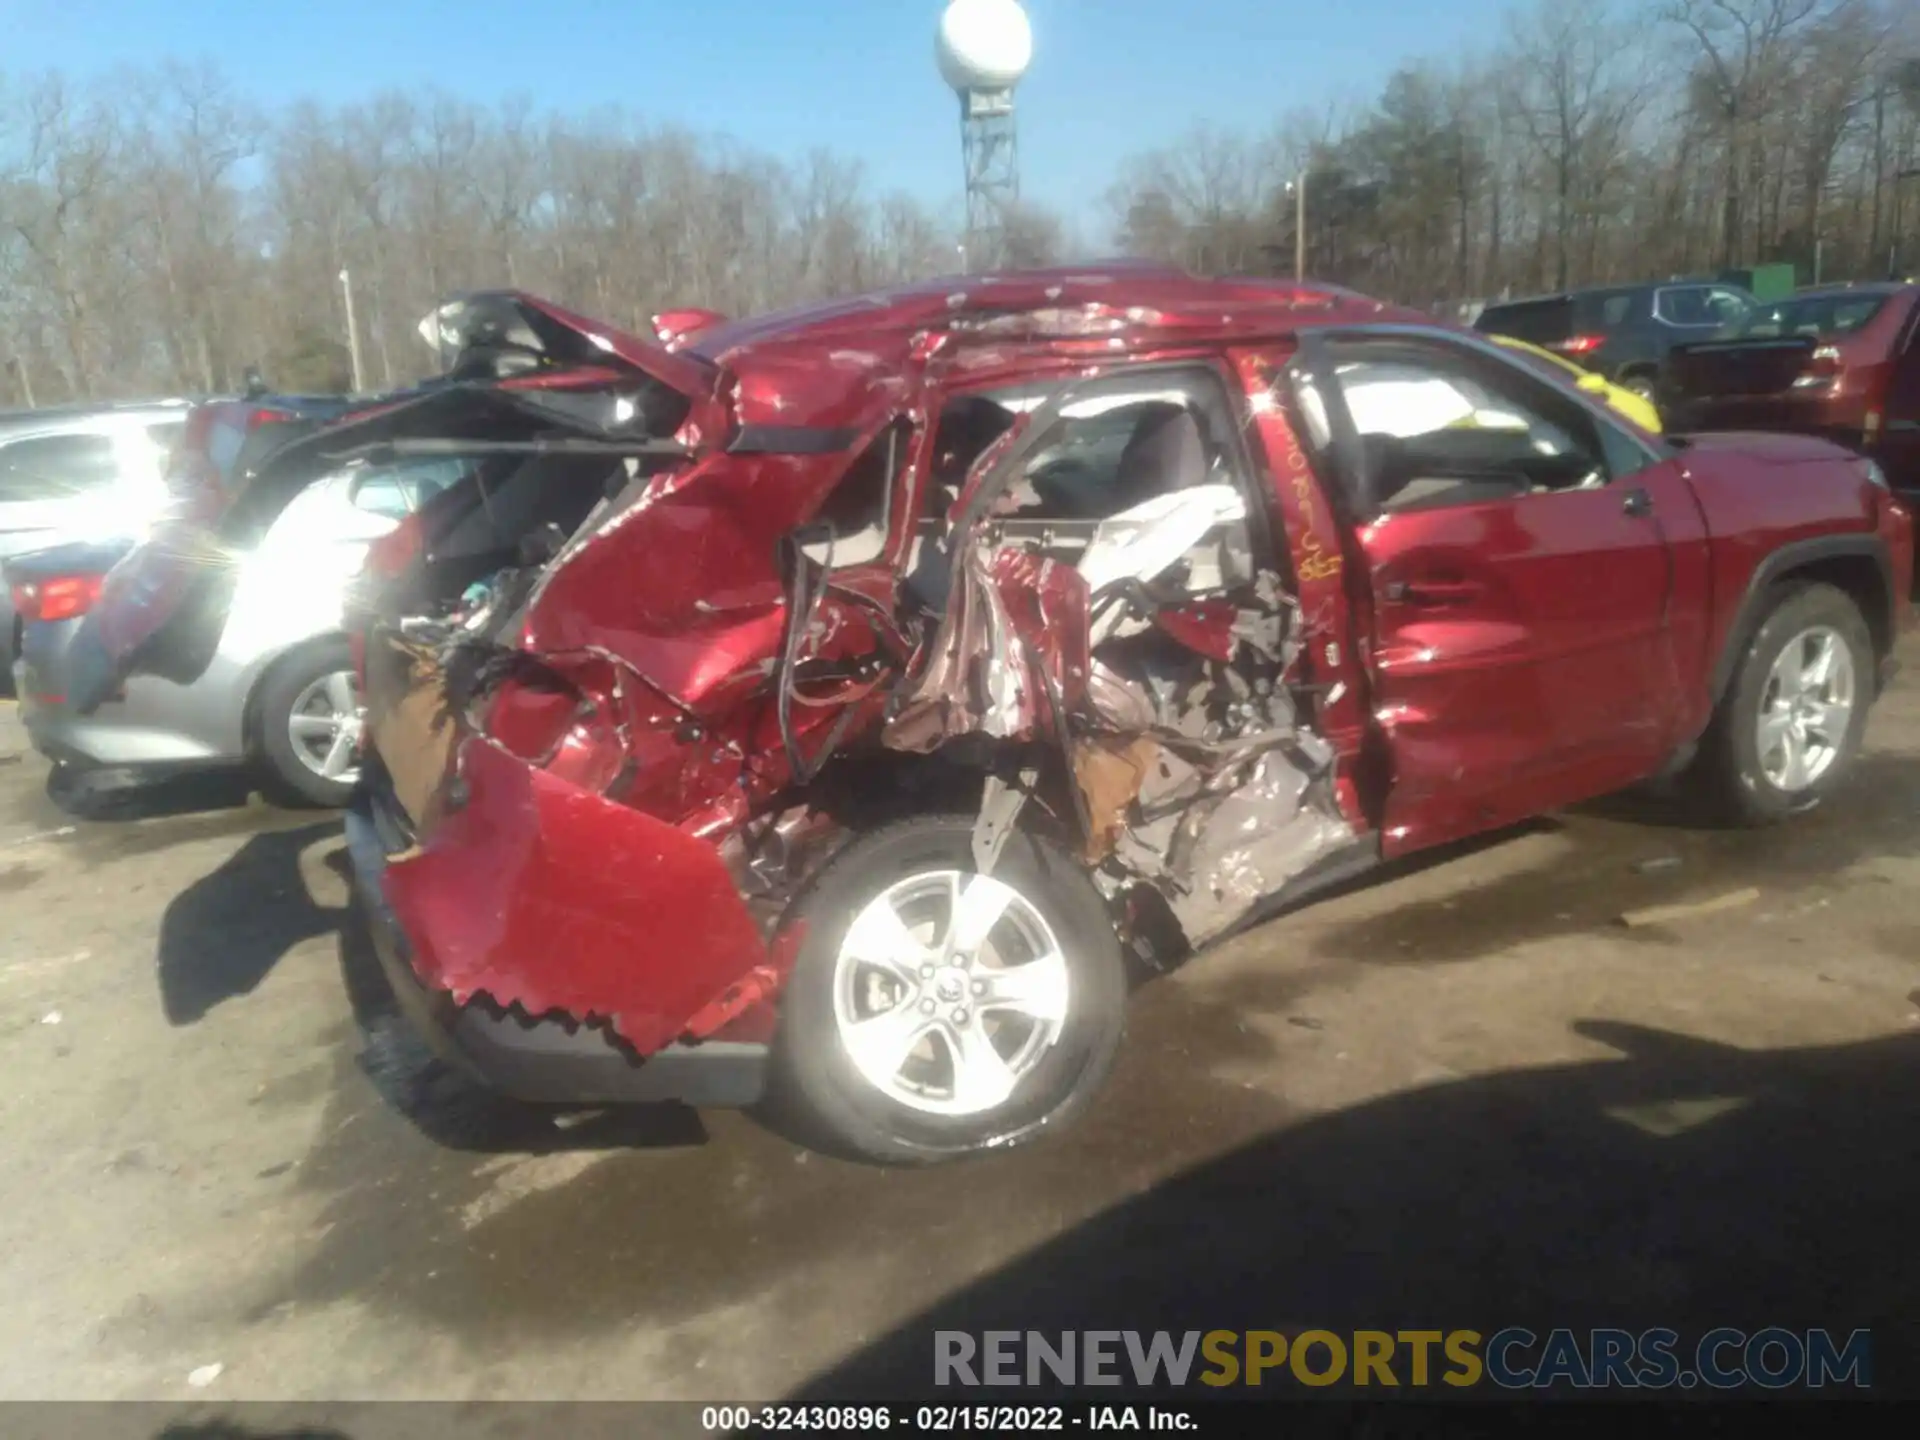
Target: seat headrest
(1165, 452)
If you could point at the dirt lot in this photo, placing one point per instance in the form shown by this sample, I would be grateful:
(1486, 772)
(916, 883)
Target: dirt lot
(1462, 1096)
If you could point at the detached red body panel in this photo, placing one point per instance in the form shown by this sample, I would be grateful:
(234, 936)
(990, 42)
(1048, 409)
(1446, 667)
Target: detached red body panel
(538, 894)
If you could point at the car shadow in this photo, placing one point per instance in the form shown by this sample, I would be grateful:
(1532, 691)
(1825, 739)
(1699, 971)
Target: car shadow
(223, 934)
(1683, 1184)
(119, 795)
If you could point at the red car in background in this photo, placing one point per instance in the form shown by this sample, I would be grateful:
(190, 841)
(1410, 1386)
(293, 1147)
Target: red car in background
(1838, 361)
(837, 706)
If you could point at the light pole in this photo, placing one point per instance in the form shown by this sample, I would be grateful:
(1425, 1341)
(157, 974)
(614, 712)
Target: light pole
(353, 332)
(1298, 189)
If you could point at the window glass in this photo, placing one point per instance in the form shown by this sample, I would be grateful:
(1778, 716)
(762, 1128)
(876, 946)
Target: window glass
(1438, 429)
(1105, 454)
(1686, 305)
(1823, 316)
(1728, 308)
(396, 491)
(1540, 322)
(56, 467)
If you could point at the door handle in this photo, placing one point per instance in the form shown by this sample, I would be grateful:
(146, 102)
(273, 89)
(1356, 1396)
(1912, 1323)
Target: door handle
(1637, 502)
(1431, 592)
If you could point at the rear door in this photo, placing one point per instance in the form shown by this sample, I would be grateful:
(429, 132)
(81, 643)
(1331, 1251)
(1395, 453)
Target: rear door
(1520, 555)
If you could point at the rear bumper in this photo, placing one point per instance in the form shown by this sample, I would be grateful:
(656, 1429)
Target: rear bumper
(544, 1061)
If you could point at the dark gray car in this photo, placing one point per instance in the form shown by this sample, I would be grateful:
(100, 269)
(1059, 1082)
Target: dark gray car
(1622, 332)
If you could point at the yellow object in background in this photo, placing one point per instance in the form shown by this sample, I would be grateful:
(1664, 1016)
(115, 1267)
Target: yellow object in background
(1636, 408)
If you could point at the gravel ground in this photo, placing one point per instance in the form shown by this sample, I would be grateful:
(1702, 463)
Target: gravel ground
(1462, 1095)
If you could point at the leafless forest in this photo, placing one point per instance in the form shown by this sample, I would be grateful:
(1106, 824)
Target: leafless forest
(159, 233)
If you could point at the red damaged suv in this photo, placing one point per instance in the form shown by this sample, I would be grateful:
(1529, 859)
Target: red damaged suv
(838, 706)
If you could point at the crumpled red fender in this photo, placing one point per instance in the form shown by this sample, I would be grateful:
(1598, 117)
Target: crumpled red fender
(539, 894)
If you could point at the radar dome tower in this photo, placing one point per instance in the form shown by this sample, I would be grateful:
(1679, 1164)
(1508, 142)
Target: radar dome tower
(984, 49)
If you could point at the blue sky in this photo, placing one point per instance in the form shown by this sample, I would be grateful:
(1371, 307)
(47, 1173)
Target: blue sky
(1110, 77)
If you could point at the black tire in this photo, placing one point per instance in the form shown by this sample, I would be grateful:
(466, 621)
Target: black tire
(816, 1086)
(1729, 771)
(293, 781)
(1641, 385)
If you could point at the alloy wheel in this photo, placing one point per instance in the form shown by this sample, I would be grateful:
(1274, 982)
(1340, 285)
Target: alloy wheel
(948, 989)
(324, 726)
(1806, 709)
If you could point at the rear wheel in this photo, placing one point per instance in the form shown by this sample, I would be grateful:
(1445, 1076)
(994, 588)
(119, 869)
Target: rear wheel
(1641, 385)
(308, 724)
(934, 1011)
(1791, 722)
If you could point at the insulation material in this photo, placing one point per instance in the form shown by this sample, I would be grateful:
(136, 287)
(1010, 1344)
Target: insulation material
(1110, 771)
(408, 724)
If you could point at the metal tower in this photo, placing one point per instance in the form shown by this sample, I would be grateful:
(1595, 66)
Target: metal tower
(990, 148)
(984, 49)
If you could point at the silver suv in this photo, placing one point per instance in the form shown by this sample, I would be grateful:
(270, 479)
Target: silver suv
(96, 473)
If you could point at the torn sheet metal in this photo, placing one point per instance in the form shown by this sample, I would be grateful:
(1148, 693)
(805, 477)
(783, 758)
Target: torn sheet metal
(1207, 627)
(1014, 633)
(1119, 703)
(1000, 807)
(1218, 858)
(537, 894)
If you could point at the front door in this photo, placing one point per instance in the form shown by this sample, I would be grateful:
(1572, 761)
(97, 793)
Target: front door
(1520, 556)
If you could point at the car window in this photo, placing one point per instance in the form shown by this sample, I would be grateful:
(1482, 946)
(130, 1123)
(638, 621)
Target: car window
(1541, 322)
(396, 491)
(1602, 311)
(860, 507)
(1729, 308)
(1439, 428)
(1824, 316)
(1687, 305)
(1108, 452)
(56, 467)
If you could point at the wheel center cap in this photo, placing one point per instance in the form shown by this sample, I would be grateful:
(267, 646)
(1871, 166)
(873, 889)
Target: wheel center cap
(950, 984)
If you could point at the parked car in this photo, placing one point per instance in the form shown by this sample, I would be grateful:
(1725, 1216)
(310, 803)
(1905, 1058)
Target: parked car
(258, 671)
(79, 473)
(835, 706)
(1630, 403)
(1839, 361)
(1621, 332)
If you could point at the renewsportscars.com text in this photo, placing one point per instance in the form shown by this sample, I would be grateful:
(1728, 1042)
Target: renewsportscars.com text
(1515, 1358)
